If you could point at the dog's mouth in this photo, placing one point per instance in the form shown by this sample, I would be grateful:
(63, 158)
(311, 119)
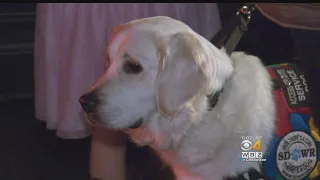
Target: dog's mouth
(137, 124)
(91, 118)
(92, 121)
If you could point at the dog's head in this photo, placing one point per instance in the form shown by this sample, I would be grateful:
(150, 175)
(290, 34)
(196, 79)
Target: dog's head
(156, 64)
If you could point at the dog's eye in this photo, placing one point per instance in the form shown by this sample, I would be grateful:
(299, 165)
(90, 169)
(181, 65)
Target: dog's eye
(132, 67)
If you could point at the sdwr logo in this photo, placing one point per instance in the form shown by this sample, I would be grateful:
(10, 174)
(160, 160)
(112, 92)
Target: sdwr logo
(296, 155)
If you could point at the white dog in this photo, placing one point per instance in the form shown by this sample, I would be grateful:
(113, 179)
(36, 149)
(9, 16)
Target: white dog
(156, 88)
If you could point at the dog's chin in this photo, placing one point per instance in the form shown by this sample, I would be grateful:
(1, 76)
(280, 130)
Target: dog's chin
(94, 119)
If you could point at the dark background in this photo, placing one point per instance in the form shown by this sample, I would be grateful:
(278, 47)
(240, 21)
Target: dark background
(31, 152)
(16, 49)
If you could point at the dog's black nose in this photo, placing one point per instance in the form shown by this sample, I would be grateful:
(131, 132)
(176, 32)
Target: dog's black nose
(89, 102)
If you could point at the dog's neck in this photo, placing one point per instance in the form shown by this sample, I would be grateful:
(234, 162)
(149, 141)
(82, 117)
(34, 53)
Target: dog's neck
(193, 112)
(176, 128)
(168, 138)
(163, 133)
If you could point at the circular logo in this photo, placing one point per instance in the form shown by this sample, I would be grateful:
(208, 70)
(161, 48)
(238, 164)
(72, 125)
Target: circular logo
(246, 145)
(296, 155)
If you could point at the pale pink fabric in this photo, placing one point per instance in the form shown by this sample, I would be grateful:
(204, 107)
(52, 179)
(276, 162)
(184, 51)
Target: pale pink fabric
(70, 42)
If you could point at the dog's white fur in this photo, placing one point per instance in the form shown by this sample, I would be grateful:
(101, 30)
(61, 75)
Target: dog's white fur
(180, 68)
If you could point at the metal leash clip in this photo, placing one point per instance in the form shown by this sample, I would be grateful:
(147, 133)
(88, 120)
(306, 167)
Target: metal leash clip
(230, 35)
(245, 15)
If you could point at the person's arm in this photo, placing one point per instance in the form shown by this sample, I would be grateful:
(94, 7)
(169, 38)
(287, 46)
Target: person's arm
(107, 159)
(292, 15)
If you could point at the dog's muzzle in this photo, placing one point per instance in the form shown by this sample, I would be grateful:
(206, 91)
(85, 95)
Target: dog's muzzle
(89, 102)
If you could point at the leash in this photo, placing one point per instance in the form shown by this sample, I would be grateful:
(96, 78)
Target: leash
(229, 36)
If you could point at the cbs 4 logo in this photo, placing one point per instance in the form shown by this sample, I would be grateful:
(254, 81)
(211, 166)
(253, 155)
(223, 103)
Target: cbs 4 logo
(247, 145)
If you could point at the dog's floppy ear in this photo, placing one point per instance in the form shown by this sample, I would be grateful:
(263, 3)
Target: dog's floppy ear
(116, 29)
(181, 74)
